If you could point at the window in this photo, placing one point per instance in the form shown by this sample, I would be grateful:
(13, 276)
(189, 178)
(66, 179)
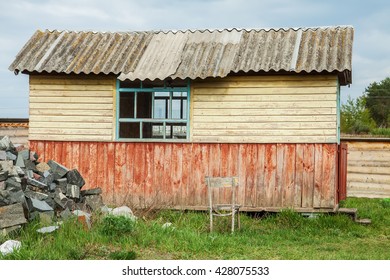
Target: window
(152, 110)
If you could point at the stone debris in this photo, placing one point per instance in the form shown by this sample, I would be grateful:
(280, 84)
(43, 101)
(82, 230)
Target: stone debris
(123, 211)
(30, 189)
(10, 246)
(48, 229)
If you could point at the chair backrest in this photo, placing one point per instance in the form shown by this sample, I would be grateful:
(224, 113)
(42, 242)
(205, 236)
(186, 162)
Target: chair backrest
(214, 183)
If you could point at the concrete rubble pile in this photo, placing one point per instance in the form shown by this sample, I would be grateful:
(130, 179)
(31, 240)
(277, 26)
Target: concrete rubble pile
(30, 189)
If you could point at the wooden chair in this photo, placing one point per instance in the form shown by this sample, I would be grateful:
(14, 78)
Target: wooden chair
(217, 209)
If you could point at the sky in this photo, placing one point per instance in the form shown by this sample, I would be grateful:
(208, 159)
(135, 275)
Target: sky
(19, 19)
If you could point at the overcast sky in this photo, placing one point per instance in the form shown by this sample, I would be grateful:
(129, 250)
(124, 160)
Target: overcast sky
(21, 18)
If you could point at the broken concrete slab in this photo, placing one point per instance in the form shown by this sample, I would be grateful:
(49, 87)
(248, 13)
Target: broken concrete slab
(37, 195)
(6, 144)
(20, 161)
(95, 191)
(30, 165)
(48, 229)
(13, 183)
(12, 215)
(3, 155)
(57, 168)
(66, 214)
(10, 246)
(41, 205)
(74, 178)
(25, 153)
(72, 191)
(60, 199)
(2, 185)
(3, 175)
(94, 202)
(8, 165)
(42, 167)
(11, 156)
(36, 183)
(123, 211)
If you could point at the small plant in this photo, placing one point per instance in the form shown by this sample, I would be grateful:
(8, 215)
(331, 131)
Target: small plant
(116, 225)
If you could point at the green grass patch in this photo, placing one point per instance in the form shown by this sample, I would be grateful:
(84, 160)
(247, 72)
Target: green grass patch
(285, 235)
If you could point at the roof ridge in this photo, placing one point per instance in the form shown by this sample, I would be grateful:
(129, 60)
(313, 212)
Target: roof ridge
(210, 30)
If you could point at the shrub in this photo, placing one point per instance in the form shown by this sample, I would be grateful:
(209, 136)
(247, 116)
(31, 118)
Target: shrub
(116, 225)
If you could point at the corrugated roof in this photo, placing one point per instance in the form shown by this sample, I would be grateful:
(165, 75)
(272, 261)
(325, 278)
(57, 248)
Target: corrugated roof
(189, 54)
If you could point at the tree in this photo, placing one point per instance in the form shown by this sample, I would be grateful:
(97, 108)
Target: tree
(377, 99)
(355, 117)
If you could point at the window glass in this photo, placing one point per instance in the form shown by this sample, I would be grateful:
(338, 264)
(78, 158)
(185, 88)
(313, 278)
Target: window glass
(129, 130)
(126, 105)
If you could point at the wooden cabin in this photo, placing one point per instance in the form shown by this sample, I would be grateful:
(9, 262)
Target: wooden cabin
(147, 115)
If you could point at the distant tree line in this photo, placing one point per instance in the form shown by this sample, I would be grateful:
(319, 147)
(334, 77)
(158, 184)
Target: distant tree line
(369, 113)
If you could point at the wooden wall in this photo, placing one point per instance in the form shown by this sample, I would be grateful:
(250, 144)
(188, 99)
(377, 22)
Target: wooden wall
(72, 107)
(368, 169)
(17, 134)
(265, 109)
(272, 176)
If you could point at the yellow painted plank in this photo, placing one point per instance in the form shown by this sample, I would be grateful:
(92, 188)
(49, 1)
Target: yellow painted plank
(55, 137)
(369, 178)
(265, 118)
(74, 93)
(70, 81)
(369, 146)
(265, 91)
(265, 132)
(70, 131)
(91, 119)
(87, 100)
(366, 170)
(264, 98)
(263, 105)
(268, 84)
(71, 87)
(275, 125)
(375, 155)
(73, 106)
(299, 77)
(96, 125)
(69, 112)
(265, 139)
(292, 111)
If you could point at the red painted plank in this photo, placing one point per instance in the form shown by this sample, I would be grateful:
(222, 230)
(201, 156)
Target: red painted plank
(259, 172)
(159, 173)
(277, 195)
(75, 156)
(318, 176)
(187, 174)
(101, 176)
(270, 173)
(149, 189)
(288, 177)
(120, 187)
(329, 175)
(167, 179)
(109, 171)
(84, 163)
(176, 174)
(203, 171)
(93, 170)
(299, 170)
(308, 176)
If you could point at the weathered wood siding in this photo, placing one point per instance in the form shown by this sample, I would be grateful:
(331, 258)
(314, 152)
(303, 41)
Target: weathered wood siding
(72, 107)
(265, 109)
(18, 135)
(272, 176)
(368, 169)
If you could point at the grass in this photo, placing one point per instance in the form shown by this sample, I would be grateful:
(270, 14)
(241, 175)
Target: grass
(286, 235)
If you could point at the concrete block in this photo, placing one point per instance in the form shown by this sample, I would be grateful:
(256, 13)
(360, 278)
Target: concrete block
(6, 144)
(40, 205)
(95, 191)
(13, 183)
(11, 156)
(57, 168)
(73, 191)
(12, 215)
(74, 178)
(36, 183)
(3, 155)
(37, 195)
(20, 161)
(3, 175)
(95, 202)
(30, 165)
(42, 167)
(25, 153)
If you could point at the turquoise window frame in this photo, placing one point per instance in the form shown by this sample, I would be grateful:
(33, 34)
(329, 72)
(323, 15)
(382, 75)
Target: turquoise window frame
(153, 90)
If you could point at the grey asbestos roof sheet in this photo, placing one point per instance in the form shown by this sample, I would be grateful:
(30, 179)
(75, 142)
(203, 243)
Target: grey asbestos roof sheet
(189, 54)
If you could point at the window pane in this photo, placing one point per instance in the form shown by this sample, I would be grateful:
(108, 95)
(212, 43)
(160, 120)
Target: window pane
(129, 130)
(144, 105)
(160, 108)
(153, 130)
(176, 109)
(179, 94)
(126, 109)
(176, 131)
(161, 94)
